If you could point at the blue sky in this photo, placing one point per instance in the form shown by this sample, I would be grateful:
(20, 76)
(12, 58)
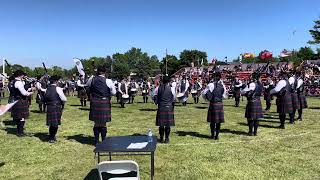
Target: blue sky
(55, 31)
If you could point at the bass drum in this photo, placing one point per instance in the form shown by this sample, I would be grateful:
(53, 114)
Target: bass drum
(125, 98)
(182, 97)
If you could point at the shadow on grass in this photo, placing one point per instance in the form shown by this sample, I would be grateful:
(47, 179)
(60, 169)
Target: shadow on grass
(9, 123)
(44, 137)
(268, 126)
(92, 175)
(191, 133)
(147, 109)
(229, 131)
(269, 117)
(201, 107)
(269, 120)
(2, 164)
(81, 138)
(11, 130)
(138, 134)
(84, 109)
(313, 107)
(37, 111)
(75, 105)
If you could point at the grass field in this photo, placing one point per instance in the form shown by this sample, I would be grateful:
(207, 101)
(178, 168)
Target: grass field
(293, 153)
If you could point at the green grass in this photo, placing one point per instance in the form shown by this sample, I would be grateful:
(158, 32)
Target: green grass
(293, 153)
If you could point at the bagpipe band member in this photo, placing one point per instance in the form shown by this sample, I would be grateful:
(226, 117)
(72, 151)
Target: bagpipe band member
(196, 90)
(101, 89)
(82, 93)
(133, 88)
(237, 91)
(215, 92)
(20, 111)
(145, 86)
(41, 86)
(294, 97)
(27, 83)
(165, 113)
(254, 108)
(2, 88)
(267, 96)
(118, 94)
(284, 99)
(54, 99)
(123, 89)
(183, 91)
(301, 95)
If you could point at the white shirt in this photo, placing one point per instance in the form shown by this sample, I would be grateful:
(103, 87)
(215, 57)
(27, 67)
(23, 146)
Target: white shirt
(291, 80)
(270, 83)
(173, 91)
(20, 85)
(210, 87)
(281, 84)
(240, 84)
(300, 82)
(250, 87)
(80, 84)
(60, 93)
(109, 83)
(39, 87)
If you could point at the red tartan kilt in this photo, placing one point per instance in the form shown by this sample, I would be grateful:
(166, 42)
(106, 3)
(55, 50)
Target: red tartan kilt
(295, 101)
(100, 111)
(254, 110)
(215, 113)
(82, 94)
(54, 113)
(284, 104)
(303, 101)
(20, 110)
(165, 116)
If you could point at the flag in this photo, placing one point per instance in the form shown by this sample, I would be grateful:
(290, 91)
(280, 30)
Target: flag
(79, 66)
(285, 53)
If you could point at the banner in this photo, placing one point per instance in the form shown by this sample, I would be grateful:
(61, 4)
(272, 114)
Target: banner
(79, 66)
(285, 53)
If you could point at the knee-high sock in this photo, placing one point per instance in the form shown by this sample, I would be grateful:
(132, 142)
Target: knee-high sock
(81, 101)
(212, 128)
(161, 132)
(255, 126)
(96, 133)
(218, 126)
(18, 122)
(167, 132)
(300, 113)
(268, 105)
(282, 118)
(291, 116)
(85, 102)
(103, 133)
(52, 132)
(250, 124)
(40, 107)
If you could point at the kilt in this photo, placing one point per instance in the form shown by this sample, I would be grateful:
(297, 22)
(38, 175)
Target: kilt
(82, 94)
(267, 97)
(215, 113)
(284, 104)
(295, 101)
(40, 98)
(20, 110)
(100, 111)
(54, 113)
(165, 116)
(302, 101)
(237, 94)
(254, 110)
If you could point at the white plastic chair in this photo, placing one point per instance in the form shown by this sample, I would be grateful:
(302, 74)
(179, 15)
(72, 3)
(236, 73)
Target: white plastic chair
(117, 168)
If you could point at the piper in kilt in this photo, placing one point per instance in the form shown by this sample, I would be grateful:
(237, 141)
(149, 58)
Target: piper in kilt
(54, 99)
(237, 84)
(20, 111)
(165, 114)
(284, 100)
(254, 108)
(82, 93)
(301, 95)
(294, 97)
(267, 96)
(101, 90)
(215, 92)
(41, 86)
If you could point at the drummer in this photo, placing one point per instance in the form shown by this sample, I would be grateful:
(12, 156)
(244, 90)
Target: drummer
(196, 90)
(183, 90)
(123, 90)
(133, 88)
(145, 86)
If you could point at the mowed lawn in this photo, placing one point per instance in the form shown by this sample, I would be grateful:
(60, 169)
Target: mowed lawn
(293, 153)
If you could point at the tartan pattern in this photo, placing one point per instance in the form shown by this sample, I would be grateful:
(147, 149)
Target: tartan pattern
(295, 101)
(54, 113)
(165, 116)
(267, 97)
(100, 111)
(236, 93)
(254, 110)
(215, 112)
(40, 98)
(284, 104)
(303, 101)
(20, 110)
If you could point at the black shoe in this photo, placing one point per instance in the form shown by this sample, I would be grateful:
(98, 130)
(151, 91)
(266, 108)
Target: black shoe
(291, 122)
(216, 138)
(250, 134)
(211, 137)
(281, 127)
(255, 134)
(166, 141)
(52, 141)
(160, 140)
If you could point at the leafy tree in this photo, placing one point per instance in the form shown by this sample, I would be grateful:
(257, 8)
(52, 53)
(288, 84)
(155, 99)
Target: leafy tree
(195, 56)
(173, 65)
(315, 33)
(306, 53)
